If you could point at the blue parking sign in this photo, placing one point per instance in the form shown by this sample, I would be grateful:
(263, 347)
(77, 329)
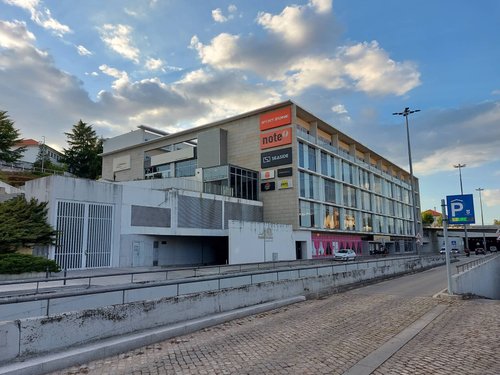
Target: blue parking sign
(460, 209)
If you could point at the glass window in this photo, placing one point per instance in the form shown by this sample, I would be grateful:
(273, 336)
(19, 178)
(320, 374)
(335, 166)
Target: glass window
(349, 196)
(311, 153)
(349, 220)
(332, 162)
(330, 195)
(324, 164)
(390, 225)
(367, 222)
(301, 155)
(302, 184)
(332, 218)
(377, 181)
(346, 172)
(185, 168)
(305, 214)
(366, 203)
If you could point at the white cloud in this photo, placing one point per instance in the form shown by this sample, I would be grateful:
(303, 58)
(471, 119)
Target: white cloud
(339, 109)
(117, 37)
(41, 16)
(13, 35)
(154, 64)
(290, 24)
(374, 72)
(218, 16)
(321, 6)
(197, 98)
(82, 51)
(299, 54)
(491, 197)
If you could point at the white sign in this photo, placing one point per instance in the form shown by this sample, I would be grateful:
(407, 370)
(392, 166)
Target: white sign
(266, 175)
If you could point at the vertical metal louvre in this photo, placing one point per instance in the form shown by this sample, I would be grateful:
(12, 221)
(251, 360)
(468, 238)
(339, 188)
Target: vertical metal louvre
(70, 222)
(85, 231)
(99, 235)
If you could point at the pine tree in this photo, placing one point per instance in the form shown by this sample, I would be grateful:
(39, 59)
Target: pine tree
(9, 136)
(24, 223)
(82, 156)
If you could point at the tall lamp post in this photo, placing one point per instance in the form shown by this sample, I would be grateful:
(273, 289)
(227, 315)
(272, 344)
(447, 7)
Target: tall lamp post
(407, 111)
(460, 166)
(482, 218)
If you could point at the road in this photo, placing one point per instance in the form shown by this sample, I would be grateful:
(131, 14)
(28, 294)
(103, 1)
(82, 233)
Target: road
(393, 327)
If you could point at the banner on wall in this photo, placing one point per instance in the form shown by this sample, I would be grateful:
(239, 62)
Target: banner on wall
(276, 138)
(276, 118)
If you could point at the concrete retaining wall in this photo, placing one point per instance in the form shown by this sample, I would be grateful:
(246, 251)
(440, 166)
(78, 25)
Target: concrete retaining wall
(482, 280)
(31, 336)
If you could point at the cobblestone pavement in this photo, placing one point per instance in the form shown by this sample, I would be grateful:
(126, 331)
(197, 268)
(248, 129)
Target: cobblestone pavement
(326, 336)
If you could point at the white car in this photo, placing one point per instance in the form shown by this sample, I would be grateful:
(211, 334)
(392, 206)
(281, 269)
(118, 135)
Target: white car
(344, 254)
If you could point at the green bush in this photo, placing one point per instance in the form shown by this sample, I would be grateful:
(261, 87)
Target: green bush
(19, 263)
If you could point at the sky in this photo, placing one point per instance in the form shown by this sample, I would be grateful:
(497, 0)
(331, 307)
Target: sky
(176, 64)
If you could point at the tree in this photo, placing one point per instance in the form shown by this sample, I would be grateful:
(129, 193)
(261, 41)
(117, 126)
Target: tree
(427, 218)
(43, 158)
(82, 156)
(496, 222)
(24, 223)
(9, 136)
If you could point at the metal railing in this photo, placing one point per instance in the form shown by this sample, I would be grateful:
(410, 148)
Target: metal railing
(37, 284)
(473, 263)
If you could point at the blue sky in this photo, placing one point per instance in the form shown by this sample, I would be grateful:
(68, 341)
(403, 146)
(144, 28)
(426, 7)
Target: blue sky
(175, 64)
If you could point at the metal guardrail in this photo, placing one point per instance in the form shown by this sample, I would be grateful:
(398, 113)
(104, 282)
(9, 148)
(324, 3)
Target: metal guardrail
(473, 263)
(169, 274)
(239, 271)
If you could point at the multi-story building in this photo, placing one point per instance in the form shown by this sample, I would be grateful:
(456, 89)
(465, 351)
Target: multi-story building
(332, 190)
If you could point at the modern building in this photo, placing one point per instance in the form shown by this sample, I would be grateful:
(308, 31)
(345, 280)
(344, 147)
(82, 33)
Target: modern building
(276, 183)
(333, 191)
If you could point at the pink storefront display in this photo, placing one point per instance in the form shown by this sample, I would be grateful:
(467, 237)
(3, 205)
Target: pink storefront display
(325, 244)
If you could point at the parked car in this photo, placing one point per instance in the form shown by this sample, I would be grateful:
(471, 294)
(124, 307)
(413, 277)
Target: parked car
(480, 250)
(344, 254)
(452, 251)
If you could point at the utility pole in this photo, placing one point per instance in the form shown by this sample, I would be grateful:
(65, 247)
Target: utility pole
(460, 166)
(482, 218)
(405, 113)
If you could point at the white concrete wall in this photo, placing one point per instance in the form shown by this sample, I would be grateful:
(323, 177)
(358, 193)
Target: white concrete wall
(251, 242)
(46, 334)
(58, 188)
(482, 280)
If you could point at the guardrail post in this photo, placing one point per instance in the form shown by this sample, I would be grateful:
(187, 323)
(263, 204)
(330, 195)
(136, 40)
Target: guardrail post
(65, 274)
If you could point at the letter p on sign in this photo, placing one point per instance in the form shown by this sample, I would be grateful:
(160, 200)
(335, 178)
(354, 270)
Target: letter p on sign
(456, 207)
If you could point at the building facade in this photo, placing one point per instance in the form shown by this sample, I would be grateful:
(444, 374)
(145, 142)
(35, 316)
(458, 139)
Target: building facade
(333, 191)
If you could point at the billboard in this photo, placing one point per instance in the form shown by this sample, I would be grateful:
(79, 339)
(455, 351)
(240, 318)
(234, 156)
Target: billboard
(275, 158)
(276, 138)
(276, 118)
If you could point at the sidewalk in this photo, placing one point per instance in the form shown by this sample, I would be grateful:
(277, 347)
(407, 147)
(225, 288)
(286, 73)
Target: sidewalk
(328, 336)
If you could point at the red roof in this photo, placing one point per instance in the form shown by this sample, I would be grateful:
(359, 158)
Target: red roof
(27, 142)
(433, 213)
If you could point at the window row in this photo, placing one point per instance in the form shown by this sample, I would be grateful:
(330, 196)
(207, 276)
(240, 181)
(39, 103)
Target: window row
(345, 171)
(325, 190)
(321, 216)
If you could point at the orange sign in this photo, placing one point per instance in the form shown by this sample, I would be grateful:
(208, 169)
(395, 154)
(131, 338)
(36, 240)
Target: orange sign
(275, 119)
(276, 138)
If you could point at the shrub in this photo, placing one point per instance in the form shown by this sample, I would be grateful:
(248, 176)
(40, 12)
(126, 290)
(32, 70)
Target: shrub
(19, 263)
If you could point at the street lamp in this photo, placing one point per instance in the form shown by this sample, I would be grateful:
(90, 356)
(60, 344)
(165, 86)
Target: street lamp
(460, 166)
(482, 218)
(407, 111)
